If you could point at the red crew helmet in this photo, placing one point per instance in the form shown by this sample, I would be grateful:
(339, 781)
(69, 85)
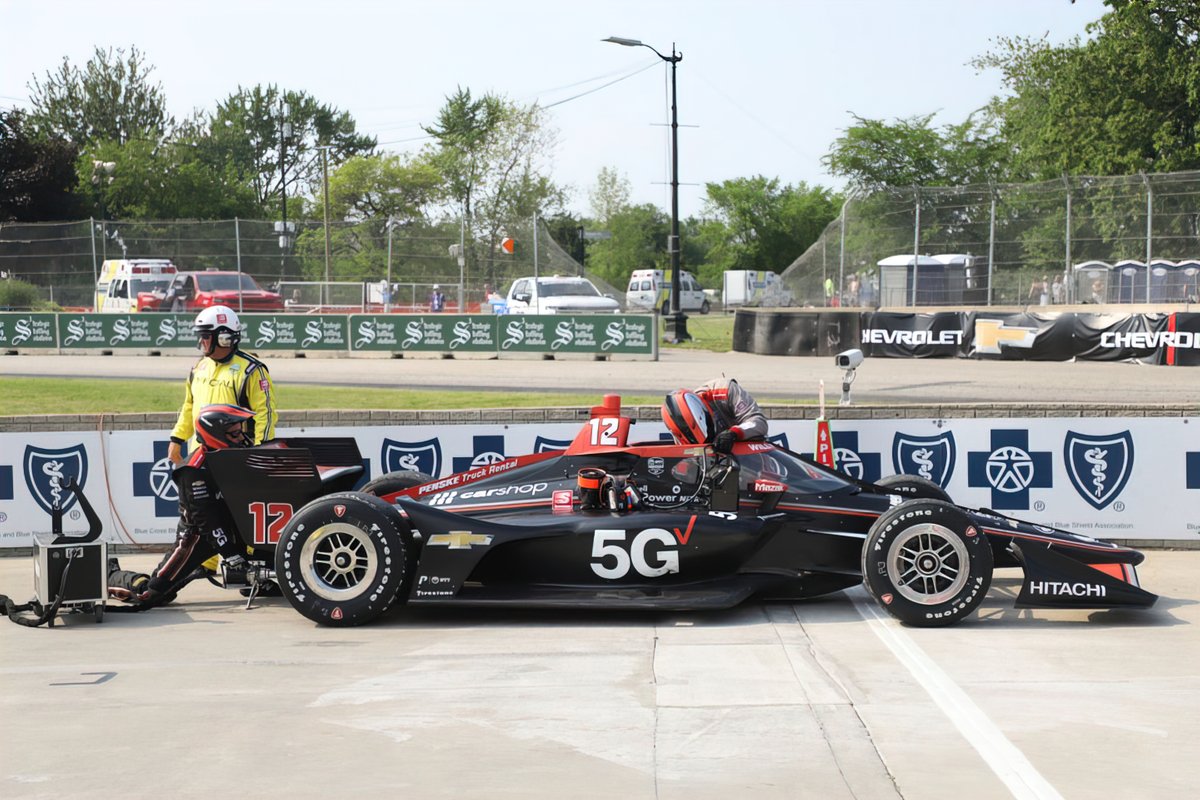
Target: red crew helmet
(222, 425)
(687, 418)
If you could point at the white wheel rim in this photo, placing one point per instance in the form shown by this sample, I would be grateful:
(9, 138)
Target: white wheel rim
(338, 561)
(928, 564)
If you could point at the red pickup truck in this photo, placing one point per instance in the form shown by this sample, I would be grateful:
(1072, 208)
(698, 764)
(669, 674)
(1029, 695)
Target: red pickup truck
(193, 291)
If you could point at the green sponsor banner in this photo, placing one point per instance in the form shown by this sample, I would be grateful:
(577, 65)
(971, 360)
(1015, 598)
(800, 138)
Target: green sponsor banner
(438, 333)
(28, 330)
(295, 332)
(129, 331)
(603, 334)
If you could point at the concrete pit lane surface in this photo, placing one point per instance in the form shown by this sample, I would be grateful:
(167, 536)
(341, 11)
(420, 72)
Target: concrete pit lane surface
(823, 699)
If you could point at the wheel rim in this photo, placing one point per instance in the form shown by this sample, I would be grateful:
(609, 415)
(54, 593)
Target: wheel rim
(338, 561)
(928, 564)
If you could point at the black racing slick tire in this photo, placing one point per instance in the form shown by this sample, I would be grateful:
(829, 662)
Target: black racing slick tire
(912, 487)
(395, 482)
(926, 563)
(341, 559)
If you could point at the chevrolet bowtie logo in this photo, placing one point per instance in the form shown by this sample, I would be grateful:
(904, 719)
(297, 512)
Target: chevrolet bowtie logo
(991, 333)
(460, 540)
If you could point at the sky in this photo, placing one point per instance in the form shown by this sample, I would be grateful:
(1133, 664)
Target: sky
(764, 87)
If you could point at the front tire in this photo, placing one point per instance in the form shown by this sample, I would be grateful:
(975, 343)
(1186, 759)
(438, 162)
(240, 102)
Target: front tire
(341, 559)
(913, 487)
(926, 563)
(705, 307)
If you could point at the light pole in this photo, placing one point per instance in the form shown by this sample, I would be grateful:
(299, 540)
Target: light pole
(676, 321)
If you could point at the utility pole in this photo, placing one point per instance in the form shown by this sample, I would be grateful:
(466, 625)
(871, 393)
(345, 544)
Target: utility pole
(325, 171)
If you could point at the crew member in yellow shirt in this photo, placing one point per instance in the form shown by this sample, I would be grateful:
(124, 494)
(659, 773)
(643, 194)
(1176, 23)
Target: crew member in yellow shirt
(224, 375)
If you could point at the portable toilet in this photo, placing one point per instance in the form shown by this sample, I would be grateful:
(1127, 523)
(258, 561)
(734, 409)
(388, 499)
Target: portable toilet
(1129, 277)
(900, 275)
(1185, 282)
(962, 282)
(1161, 273)
(1092, 282)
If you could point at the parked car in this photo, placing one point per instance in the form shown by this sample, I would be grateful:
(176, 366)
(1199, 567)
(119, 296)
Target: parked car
(558, 295)
(192, 291)
(123, 281)
(650, 289)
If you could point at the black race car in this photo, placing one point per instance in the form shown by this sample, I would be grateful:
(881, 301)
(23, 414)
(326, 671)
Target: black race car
(613, 524)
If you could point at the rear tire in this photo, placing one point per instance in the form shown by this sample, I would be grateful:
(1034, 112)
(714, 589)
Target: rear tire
(395, 482)
(913, 487)
(926, 563)
(341, 560)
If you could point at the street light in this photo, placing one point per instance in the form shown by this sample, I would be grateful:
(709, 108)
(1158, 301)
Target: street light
(676, 320)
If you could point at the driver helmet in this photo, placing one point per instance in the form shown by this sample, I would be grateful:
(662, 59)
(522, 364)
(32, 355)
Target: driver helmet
(687, 418)
(221, 324)
(222, 426)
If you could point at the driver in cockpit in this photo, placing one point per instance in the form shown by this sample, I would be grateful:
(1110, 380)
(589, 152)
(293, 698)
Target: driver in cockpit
(720, 412)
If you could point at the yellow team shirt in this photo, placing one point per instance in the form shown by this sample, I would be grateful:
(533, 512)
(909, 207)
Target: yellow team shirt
(240, 380)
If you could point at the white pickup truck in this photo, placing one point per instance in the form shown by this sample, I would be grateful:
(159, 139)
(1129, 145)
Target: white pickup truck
(558, 295)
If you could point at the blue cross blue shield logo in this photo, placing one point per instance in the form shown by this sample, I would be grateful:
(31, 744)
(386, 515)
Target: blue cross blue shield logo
(1192, 464)
(850, 460)
(930, 457)
(544, 445)
(1010, 469)
(779, 440)
(423, 456)
(488, 450)
(1099, 466)
(47, 471)
(6, 483)
(153, 479)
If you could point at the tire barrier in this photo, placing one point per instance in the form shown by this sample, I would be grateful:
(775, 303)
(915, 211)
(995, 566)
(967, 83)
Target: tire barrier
(1151, 338)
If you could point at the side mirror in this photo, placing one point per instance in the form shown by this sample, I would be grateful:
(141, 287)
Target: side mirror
(521, 297)
(724, 495)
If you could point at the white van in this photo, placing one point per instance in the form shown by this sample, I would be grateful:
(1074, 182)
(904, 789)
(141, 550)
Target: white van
(650, 289)
(122, 279)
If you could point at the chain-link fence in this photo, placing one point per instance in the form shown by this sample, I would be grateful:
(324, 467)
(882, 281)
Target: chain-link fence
(1127, 239)
(63, 259)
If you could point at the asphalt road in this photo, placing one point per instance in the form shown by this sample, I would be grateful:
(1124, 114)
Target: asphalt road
(825, 700)
(880, 381)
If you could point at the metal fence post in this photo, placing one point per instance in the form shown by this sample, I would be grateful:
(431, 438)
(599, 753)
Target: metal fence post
(991, 247)
(916, 242)
(1067, 238)
(1149, 230)
(95, 267)
(237, 244)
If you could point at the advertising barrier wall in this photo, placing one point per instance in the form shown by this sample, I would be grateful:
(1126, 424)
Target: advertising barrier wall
(1125, 478)
(1169, 338)
(582, 334)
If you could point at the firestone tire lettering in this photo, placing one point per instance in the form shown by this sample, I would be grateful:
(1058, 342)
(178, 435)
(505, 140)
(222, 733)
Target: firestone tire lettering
(944, 573)
(354, 564)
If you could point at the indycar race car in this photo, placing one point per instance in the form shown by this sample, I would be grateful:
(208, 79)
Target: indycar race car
(608, 523)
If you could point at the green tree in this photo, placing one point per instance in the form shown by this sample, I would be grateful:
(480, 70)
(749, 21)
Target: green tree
(37, 173)
(158, 182)
(1125, 101)
(383, 187)
(110, 99)
(639, 241)
(493, 155)
(610, 195)
(754, 223)
(247, 130)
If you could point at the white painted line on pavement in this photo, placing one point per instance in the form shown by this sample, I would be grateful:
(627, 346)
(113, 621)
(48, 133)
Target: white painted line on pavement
(1010, 764)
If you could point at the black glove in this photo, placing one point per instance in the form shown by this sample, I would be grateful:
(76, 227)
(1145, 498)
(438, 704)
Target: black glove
(723, 443)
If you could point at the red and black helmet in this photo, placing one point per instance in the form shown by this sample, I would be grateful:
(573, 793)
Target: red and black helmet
(687, 418)
(215, 425)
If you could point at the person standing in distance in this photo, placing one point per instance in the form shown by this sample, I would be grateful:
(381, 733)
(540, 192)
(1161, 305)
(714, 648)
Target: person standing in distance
(224, 375)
